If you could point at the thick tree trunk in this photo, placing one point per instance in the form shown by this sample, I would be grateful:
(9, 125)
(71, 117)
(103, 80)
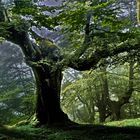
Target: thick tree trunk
(48, 85)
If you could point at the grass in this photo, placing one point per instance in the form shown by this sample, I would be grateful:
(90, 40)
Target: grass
(128, 122)
(119, 130)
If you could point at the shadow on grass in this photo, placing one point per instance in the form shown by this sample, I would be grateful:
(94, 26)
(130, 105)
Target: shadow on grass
(13, 133)
(75, 132)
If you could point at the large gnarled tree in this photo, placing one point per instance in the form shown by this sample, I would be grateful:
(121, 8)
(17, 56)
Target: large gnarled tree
(45, 57)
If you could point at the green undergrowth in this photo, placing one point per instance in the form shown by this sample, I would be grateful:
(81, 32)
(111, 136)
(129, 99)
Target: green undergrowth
(119, 130)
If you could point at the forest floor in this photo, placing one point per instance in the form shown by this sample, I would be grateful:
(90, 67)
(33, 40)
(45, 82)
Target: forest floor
(119, 130)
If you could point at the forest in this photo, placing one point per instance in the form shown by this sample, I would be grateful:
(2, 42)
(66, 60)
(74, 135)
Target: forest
(69, 69)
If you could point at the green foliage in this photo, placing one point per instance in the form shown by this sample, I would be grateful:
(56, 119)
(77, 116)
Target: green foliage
(4, 29)
(22, 3)
(1, 40)
(24, 7)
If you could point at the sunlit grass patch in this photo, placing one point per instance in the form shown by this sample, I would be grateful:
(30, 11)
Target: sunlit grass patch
(123, 123)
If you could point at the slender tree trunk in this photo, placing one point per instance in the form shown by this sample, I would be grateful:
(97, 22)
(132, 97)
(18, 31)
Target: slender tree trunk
(48, 85)
(102, 114)
(115, 108)
(104, 95)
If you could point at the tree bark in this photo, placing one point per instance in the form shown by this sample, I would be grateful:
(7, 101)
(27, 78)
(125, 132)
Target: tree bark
(115, 108)
(103, 101)
(48, 86)
(102, 112)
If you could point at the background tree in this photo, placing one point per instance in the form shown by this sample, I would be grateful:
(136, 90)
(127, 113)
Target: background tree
(108, 91)
(16, 85)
